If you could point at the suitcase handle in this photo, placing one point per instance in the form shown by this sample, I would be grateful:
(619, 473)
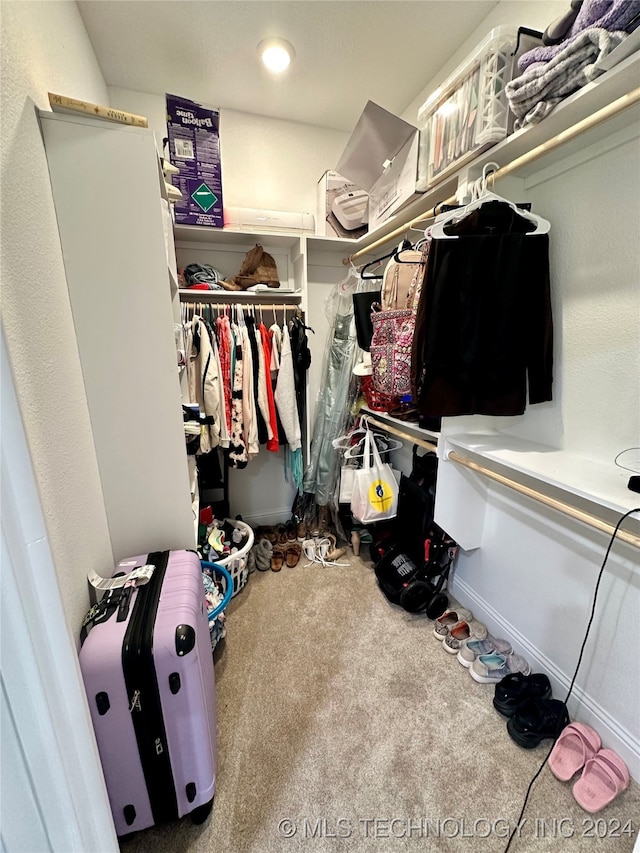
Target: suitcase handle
(139, 576)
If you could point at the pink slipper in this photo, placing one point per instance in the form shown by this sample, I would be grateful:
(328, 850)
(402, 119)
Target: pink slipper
(603, 778)
(575, 746)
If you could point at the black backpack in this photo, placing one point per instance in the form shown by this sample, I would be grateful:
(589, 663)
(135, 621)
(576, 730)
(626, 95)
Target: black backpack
(418, 586)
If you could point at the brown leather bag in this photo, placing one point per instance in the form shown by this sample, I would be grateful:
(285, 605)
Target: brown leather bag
(397, 280)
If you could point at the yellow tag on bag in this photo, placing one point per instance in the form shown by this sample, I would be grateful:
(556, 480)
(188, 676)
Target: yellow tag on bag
(381, 495)
(375, 490)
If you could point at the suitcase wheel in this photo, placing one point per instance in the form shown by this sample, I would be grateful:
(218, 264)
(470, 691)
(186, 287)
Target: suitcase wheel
(200, 814)
(437, 605)
(415, 597)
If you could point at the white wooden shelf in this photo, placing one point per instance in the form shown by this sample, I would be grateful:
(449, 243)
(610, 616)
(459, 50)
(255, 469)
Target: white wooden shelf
(409, 427)
(604, 484)
(272, 295)
(229, 237)
(331, 244)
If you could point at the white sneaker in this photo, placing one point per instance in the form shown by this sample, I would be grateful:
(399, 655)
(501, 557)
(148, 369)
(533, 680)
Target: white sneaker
(448, 619)
(463, 631)
(473, 648)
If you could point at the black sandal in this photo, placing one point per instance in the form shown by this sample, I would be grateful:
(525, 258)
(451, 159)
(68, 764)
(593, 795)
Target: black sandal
(516, 688)
(537, 720)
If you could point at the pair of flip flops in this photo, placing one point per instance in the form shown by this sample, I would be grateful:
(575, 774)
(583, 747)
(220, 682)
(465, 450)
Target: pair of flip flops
(604, 774)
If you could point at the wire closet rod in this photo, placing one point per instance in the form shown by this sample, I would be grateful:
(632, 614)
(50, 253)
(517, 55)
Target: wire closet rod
(560, 506)
(567, 135)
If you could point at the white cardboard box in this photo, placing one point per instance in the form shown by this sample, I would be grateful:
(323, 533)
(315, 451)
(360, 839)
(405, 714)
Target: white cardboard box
(382, 157)
(342, 207)
(278, 221)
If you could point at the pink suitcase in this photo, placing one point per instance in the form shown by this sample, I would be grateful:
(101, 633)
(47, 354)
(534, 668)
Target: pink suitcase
(147, 667)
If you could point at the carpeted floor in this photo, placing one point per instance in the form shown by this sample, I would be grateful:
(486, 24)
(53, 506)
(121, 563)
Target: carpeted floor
(344, 726)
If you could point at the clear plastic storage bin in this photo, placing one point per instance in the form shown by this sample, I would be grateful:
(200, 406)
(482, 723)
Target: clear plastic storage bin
(469, 112)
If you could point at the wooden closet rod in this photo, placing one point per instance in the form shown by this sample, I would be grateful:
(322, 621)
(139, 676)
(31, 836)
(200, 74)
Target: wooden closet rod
(567, 135)
(560, 506)
(405, 435)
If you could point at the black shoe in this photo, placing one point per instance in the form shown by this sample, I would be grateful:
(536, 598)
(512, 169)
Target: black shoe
(516, 688)
(537, 720)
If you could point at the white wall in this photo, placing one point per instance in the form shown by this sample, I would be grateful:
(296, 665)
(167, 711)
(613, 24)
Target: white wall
(595, 263)
(266, 163)
(45, 48)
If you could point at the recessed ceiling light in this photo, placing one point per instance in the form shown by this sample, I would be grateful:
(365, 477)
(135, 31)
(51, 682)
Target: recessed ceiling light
(276, 54)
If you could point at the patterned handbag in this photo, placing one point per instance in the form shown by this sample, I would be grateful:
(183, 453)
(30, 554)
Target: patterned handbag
(393, 337)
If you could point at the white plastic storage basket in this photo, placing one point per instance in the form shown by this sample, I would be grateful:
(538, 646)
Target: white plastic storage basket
(469, 112)
(236, 564)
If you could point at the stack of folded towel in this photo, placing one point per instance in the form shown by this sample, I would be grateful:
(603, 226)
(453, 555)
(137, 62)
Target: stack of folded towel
(588, 33)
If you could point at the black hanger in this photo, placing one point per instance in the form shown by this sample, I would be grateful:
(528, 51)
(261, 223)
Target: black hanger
(403, 248)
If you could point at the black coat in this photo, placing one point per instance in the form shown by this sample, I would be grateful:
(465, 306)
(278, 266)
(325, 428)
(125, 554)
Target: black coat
(484, 325)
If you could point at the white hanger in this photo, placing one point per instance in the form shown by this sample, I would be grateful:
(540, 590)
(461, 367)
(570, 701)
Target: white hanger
(357, 451)
(345, 441)
(437, 230)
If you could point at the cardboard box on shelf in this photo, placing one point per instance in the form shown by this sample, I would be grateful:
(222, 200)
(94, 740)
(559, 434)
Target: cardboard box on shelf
(194, 147)
(381, 156)
(342, 209)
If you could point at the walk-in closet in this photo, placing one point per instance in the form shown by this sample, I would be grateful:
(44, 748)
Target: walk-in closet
(393, 428)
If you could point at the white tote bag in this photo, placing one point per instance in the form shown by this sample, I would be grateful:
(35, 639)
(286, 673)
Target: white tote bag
(375, 490)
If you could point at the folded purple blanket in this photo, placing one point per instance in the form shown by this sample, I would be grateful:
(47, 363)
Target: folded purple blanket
(535, 93)
(612, 15)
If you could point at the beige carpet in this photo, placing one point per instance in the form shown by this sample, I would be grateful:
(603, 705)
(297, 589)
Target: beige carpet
(343, 723)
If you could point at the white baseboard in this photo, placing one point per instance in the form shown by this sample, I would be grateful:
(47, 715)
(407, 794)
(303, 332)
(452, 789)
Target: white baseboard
(275, 516)
(581, 706)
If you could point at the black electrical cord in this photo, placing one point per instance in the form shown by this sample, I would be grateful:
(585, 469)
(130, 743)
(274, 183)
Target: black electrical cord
(575, 674)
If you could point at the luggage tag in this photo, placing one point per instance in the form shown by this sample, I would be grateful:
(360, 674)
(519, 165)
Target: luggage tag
(117, 596)
(138, 577)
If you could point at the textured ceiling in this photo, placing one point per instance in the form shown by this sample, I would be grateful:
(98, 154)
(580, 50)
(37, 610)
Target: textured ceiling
(346, 52)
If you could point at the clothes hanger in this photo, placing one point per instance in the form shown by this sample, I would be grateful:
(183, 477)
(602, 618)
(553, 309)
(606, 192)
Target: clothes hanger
(383, 442)
(437, 230)
(343, 442)
(351, 279)
(372, 264)
(403, 247)
(409, 248)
